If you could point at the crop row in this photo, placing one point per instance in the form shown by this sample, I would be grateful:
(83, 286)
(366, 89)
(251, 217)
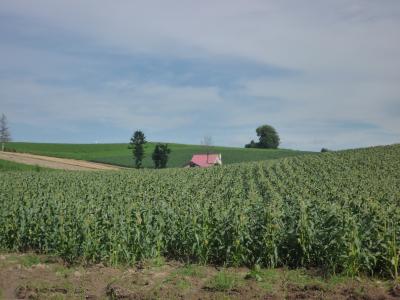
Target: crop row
(339, 211)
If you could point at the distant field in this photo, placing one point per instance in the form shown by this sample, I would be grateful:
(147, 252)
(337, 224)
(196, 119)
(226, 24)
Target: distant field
(336, 212)
(119, 154)
(6, 165)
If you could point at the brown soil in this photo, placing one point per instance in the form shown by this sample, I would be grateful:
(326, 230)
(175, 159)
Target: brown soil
(29, 276)
(55, 163)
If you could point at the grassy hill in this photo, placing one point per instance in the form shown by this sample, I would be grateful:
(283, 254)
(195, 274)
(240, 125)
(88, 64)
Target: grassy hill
(6, 165)
(119, 154)
(336, 211)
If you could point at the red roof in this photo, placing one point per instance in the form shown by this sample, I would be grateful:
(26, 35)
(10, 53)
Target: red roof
(204, 160)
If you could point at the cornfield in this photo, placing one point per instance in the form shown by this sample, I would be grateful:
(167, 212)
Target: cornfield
(338, 211)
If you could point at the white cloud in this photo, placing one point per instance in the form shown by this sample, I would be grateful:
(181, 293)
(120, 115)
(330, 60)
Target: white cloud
(288, 33)
(346, 54)
(146, 106)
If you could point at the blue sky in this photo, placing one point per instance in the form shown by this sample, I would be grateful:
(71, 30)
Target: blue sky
(324, 73)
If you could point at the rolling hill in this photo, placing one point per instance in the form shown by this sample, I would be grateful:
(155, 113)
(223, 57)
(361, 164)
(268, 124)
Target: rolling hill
(119, 154)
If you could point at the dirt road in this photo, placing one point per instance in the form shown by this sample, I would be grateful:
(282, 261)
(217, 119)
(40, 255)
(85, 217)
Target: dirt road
(55, 163)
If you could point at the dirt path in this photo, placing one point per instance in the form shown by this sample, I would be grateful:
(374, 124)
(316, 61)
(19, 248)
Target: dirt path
(31, 276)
(55, 163)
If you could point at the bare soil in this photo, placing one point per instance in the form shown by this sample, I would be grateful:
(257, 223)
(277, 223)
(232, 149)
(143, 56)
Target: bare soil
(31, 276)
(55, 163)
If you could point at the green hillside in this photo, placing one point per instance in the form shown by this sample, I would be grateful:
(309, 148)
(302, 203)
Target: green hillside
(6, 165)
(336, 211)
(119, 154)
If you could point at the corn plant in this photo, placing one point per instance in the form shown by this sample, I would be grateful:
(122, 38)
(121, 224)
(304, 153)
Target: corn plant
(339, 211)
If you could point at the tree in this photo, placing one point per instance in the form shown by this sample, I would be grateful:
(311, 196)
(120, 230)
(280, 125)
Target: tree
(268, 138)
(207, 141)
(136, 144)
(160, 155)
(252, 144)
(5, 135)
(325, 150)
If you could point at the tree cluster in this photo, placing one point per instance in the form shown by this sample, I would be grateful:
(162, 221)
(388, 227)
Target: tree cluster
(159, 156)
(268, 138)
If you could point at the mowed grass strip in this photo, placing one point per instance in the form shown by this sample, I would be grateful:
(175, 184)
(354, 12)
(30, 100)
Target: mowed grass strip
(119, 154)
(6, 165)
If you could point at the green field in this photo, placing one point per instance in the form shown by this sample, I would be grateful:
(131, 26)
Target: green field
(6, 165)
(336, 211)
(119, 154)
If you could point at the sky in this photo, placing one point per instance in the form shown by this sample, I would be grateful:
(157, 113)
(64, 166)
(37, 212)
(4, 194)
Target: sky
(323, 73)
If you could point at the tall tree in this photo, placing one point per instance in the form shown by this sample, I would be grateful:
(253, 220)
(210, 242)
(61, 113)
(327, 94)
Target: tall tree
(5, 135)
(137, 145)
(207, 141)
(160, 155)
(268, 137)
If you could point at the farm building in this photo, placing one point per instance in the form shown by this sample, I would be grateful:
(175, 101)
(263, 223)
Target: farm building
(205, 160)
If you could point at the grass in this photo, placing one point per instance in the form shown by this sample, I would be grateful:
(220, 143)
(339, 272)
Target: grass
(29, 260)
(119, 154)
(6, 165)
(270, 278)
(54, 280)
(63, 271)
(255, 274)
(223, 281)
(183, 284)
(26, 260)
(302, 278)
(179, 281)
(191, 270)
(154, 262)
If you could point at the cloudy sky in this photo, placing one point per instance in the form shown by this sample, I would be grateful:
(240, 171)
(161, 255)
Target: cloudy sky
(323, 73)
